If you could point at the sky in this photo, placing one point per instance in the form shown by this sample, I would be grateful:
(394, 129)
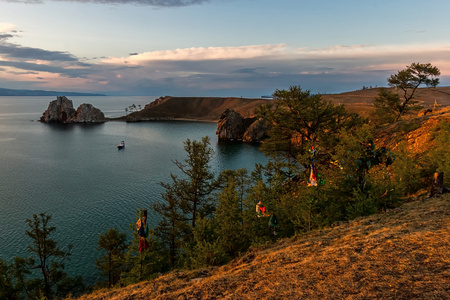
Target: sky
(242, 48)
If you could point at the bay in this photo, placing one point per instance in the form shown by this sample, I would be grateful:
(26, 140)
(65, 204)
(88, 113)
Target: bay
(75, 173)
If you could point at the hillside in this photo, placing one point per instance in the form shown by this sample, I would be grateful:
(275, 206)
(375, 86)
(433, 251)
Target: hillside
(361, 101)
(211, 108)
(403, 253)
(400, 254)
(195, 108)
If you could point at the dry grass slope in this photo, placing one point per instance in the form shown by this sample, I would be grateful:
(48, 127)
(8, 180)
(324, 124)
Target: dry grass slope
(198, 108)
(211, 108)
(400, 254)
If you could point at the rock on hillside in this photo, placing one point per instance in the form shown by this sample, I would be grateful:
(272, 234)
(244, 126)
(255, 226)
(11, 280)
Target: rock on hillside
(400, 254)
(61, 111)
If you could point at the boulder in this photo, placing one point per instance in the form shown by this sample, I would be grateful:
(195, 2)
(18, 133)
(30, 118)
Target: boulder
(61, 111)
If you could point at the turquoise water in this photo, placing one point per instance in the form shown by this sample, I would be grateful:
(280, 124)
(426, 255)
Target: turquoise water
(75, 173)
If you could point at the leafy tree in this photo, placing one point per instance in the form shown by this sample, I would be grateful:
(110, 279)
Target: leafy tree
(229, 215)
(173, 225)
(112, 263)
(194, 191)
(186, 199)
(19, 279)
(143, 265)
(50, 259)
(387, 106)
(360, 180)
(241, 181)
(437, 158)
(205, 248)
(12, 278)
(298, 120)
(409, 79)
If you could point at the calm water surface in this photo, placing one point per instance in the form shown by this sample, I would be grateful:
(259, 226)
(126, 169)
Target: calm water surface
(75, 173)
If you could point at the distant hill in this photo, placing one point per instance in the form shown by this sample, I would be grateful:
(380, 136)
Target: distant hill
(361, 101)
(11, 92)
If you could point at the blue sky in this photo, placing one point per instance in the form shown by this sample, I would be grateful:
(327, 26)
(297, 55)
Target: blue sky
(217, 47)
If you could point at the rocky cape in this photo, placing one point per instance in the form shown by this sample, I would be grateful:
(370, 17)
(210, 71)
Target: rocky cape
(61, 110)
(207, 109)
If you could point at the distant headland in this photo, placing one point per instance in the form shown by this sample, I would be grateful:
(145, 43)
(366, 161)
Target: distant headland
(12, 92)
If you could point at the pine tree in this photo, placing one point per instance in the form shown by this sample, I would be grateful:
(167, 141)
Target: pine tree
(298, 120)
(229, 216)
(173, 225)
(408, 81)
(194, 191)
(186, 199)
(145, 264)
(49, 259)
(112, 263)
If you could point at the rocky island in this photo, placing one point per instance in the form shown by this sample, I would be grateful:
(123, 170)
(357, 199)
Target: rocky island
(61, 111)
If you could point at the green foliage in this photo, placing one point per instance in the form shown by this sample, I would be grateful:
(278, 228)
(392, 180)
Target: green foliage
(194, 191)
(112, 263)
(409, 79)
(42, 275)
(361, 205)
(173, 225)
(299, 119)
(387, 105)
(407, 171)
(50, 259)
(360, 178)
(205, 249)
(145, 264)
(10, 281)
(437, 158)
(229, 215)
(186, 199)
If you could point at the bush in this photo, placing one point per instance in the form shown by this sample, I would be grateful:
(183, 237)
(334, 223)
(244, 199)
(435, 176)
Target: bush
(408, 173)
(437, 158)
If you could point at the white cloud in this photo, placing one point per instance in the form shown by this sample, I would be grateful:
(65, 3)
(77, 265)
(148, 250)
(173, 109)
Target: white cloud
(7, 27)
(201, 53)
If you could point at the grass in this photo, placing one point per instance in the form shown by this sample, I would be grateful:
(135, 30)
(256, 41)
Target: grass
(211, 108)
(400, 254)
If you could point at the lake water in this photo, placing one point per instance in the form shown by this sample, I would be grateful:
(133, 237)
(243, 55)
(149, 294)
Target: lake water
(75, 172)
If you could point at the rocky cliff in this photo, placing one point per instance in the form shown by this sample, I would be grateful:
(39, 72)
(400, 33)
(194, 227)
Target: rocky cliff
(61, 111)
(234, 127)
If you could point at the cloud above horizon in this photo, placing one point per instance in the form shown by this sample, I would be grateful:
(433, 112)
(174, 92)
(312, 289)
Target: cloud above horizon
(214, 69)
(156, 3)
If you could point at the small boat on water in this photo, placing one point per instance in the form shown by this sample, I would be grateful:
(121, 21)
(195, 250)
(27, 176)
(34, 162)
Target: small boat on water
(121, 145)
